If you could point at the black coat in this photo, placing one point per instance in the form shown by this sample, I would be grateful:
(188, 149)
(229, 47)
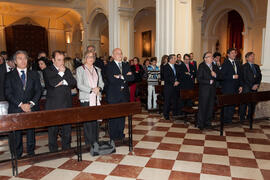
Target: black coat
(15, 93)
(137, 76)
(115, 94)
(248, 78)
(204, 76)
(58, 97)
(230, 85)
(3, 71)
(187, 78)
(169, 77)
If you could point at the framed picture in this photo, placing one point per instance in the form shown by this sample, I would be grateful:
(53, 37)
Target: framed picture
(146, 44)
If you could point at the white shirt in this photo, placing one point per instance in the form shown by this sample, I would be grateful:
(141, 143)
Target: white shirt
(235, 68)
(8, 67)
(62, 74)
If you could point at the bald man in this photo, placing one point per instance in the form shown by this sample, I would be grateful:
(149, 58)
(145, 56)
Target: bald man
(118, 75)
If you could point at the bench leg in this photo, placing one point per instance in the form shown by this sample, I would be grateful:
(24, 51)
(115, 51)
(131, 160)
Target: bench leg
(221, 122)
(13, 153)
(79, 142)
(130, 133)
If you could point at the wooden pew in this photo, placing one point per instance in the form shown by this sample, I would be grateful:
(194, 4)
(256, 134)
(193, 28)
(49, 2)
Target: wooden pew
(22, 121)
(237, 99)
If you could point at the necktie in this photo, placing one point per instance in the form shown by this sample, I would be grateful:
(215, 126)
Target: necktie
(10, 68)
(23, 78)
(234, 67)
(174, 71)
(188, 67)
(253, 69)
(120, 67)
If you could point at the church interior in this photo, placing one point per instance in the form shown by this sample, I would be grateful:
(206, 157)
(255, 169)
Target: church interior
(162, 149)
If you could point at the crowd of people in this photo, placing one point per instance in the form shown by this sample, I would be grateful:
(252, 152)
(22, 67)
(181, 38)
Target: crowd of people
(60, 77)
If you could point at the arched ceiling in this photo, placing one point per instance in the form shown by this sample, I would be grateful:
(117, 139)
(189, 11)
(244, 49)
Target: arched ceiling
(66, 16)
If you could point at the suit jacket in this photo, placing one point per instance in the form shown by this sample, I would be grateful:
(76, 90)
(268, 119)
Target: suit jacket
(169, 77)
(230, 85)
(204, 76)
(195, 66)
(187, 78)
(137, 76)
(58, 97)
(117, 90)
(16, 94)
(248, 78)
(3, 71)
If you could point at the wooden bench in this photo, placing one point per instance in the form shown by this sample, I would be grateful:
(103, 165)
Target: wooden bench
(238, 99)
(193, 95)
(22, 121)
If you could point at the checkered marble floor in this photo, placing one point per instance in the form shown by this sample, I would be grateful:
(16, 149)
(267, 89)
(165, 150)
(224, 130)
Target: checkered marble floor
(164, 150)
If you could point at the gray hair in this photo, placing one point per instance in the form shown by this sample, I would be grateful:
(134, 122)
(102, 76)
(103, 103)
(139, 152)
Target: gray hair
(20, 52)
(92, 46)
(86, 55)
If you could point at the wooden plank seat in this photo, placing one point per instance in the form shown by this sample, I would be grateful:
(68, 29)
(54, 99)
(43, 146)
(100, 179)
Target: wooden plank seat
(78, 115)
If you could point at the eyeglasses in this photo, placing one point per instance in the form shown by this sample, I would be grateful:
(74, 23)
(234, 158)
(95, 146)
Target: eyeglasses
(93, 57)
(209, 57)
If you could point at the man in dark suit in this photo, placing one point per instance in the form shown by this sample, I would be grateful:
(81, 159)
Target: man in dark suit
(77, 61)
(171, 87)
(6, 67)
(193, 62)
(231, 75)
(251, 80)
(187, 78)
(216, 62)
(59, 81)
(23, 91)
(118, 75)
(187, 74)
(207, 76)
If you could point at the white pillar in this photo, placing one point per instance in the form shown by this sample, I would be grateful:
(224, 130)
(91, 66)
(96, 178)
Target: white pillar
(114, 18)
(165, 27)
(183, 26)
(2, 39)
(266, 49)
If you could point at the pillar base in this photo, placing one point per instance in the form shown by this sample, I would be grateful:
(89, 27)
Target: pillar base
(262, 109)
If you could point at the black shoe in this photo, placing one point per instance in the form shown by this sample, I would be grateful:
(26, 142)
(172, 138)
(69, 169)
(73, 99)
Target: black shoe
(166, 118)
(201, 127)
(208, 126)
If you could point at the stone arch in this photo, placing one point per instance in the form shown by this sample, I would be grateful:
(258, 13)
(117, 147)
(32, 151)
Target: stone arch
(98, 33)
(144, 20)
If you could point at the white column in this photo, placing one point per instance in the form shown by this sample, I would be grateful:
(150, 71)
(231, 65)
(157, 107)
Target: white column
(2, 39)
(183, 26)
(165, 27)
(266, 49)
(126, 31)
(114, 18)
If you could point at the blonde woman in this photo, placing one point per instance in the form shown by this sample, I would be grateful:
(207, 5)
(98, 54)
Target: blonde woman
(90, 85)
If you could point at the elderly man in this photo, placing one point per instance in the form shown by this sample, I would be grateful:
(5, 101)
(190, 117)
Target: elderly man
(118, 75)
(23, 91)
(251, 80)
(59, 81)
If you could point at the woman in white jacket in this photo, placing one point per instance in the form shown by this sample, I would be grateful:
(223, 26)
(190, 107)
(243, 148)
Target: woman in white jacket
(90, 85)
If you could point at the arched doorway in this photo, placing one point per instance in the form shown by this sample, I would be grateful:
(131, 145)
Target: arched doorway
(30, 38)
(145, 32)
(99, 34)
(235, 30)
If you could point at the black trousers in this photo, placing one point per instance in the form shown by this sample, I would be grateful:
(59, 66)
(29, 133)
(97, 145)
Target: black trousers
(206, 106)
(90, 129)
(171, 96)
(31, 142)
(243, 108)
(66, 137)
(117, 125)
